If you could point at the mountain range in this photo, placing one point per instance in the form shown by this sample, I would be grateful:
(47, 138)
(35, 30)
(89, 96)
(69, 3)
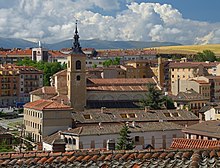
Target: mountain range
(94, 43)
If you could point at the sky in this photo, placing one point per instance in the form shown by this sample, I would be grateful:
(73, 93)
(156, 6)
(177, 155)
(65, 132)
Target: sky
(180, 21)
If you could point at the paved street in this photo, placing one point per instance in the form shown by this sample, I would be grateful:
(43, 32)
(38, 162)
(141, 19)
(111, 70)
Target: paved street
(10, 123)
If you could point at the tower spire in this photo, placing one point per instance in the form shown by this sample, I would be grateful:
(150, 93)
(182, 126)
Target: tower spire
(76, 45)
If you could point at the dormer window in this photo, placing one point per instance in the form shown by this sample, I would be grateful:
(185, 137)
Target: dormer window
(78, 64)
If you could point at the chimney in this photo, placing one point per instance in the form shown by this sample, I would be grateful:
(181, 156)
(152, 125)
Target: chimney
(110, 144)
(62, 101)
(146, 108)
(103, 109)
(133, 124)
(59, 145)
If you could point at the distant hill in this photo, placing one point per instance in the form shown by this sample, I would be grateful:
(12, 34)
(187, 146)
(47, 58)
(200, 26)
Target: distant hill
(95, 43)
(104, 44)
(16, 43)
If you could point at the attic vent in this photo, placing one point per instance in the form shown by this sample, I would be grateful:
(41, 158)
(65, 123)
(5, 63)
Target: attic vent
(167, 114)
(87, 116)
(175, 114)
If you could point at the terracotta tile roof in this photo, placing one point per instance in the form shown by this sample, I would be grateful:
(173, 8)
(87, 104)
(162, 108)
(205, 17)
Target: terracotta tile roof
(200, 81)
(49, 90)
(118, 88)
(57, 54)
(207, 128)
(16, 52)
(122, 81)
(192, 64)
(46, 105)
(22, 69)
(126, 52)
(183, 143)
(60, 98)
(107, 159)
(63, 73)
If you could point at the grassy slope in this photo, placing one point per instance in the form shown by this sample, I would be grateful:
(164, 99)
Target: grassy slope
(190, 49)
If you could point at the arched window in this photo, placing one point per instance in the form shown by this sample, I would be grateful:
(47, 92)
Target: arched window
(78, 64)
(70, 141)
(66, 141)
(78, 77)
(74, 141)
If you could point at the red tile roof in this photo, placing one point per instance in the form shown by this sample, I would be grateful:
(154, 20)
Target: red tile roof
(49, 90)
(59, 54)
(120, 158)
(200, 81)
(182, 143)
(17, 52)
(118, 88)
(192, 64)
(122, 81)
(46, 105)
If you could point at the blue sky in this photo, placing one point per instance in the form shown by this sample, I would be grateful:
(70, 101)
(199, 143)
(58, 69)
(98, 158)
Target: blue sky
(181, 21)
(201, 10)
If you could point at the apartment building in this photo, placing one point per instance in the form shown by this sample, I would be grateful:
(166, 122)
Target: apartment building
(207, 86)
(30, 79)
(44, 117)
(191, 100)
(9, 87)
(16, 82)
(12, 56)
(186, 70)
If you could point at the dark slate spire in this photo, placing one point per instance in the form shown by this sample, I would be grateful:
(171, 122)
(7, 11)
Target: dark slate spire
(76, 46)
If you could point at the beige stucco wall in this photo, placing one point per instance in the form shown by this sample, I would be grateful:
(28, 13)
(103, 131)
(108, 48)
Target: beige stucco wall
(43, 123)
(85, 141)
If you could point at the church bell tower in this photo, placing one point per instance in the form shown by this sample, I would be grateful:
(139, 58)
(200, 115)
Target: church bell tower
(76, 75)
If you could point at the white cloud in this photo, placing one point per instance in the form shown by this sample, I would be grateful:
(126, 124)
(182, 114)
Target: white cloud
(53, 20)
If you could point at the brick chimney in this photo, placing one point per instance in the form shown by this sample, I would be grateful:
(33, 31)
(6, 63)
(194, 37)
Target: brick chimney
(59, 145)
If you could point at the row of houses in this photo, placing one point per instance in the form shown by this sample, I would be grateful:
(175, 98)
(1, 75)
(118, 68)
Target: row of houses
(16, 82)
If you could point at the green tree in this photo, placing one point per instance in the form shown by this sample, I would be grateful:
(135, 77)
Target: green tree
(5, 147)
(94, 65)
(205, 55)
(109, 62)
(125, 142)
(48, 68)
(169, 102)
(153, 98)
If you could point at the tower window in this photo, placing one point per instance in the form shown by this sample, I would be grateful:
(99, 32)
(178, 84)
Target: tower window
(78, 77)
(78, 64)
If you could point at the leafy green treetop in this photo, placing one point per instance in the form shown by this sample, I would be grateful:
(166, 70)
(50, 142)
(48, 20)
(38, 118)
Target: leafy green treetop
(125, 142)
(49, 68)
(153, 98)
(205, 55)
(109, 62)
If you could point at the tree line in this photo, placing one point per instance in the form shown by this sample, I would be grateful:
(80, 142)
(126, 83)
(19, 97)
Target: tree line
(48, 68)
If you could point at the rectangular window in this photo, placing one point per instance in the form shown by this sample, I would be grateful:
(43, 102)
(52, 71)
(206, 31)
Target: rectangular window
(137, 138)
